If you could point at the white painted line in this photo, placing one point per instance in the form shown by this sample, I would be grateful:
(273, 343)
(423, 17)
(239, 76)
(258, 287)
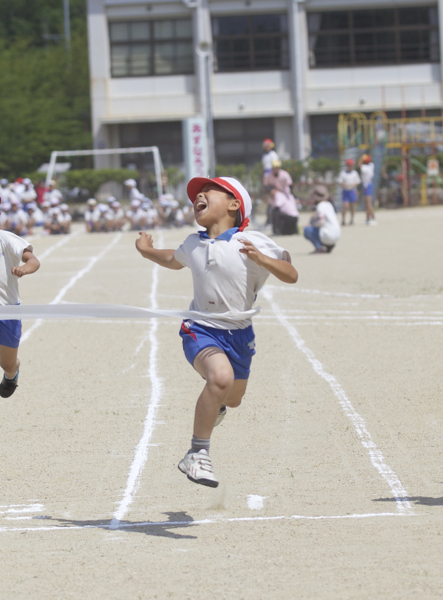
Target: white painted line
(59, 244)
(219, 521)
(324, 293)
(141, 450)
(255, 502)
(376, 456)
(71, 283)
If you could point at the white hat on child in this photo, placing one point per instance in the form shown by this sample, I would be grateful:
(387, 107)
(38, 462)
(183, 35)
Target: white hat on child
(232, 186)
(130, 182)
(135, 203)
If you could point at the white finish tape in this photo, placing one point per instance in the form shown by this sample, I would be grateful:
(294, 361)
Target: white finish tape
(113, 311)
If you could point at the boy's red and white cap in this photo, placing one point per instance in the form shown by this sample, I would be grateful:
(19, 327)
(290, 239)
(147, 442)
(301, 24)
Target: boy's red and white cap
(231, 186)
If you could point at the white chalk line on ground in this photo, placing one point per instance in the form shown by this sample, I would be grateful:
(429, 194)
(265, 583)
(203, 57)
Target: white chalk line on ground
(92, 261)
(218, 521)
(375, 455)
(141, 450)
(59, 244)
(350, 295)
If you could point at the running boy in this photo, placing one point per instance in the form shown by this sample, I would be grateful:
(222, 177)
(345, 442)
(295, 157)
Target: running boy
(13, 250)
(228, 268)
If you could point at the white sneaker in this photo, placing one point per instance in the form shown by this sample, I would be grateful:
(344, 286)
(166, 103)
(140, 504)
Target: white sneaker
(198, 467)
(221, 415)
(372, 222)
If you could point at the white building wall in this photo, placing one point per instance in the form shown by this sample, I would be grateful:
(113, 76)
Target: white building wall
(252, 94)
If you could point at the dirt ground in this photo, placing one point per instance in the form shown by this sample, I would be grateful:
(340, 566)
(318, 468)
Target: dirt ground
(331, 470)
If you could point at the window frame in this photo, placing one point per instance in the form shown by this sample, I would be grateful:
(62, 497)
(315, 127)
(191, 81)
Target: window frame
(152, 42)
(396, 29)
(251, 37)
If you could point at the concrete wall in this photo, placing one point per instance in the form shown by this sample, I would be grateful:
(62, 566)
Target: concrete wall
(252, 94)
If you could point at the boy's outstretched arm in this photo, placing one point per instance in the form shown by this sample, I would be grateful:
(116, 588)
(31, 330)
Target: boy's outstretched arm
(32, 264)
(282, 269)
(164, 258)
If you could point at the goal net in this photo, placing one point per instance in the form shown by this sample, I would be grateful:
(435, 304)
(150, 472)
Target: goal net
(158, 166)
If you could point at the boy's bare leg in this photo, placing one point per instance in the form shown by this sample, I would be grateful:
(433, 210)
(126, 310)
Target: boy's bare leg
(369, 208)
(352, 209)
(9, 361)
(221, 388)
(344, 211)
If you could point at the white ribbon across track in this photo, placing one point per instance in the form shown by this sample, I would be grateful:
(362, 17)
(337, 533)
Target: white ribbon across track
(113, 311)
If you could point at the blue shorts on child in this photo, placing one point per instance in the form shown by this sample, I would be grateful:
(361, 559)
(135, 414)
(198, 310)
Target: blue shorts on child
(10, 333)
(349, 196)
(237, 344)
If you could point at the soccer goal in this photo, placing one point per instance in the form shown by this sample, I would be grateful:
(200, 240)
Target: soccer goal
(158, 165)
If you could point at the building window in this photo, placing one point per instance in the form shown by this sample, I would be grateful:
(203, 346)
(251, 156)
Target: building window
(239, 141)
(167, 135)
(373, 37)
(143, 48)
(250, 42)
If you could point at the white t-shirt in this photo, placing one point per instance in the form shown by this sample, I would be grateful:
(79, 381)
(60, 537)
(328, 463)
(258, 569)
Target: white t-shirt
(91, 215)
(329, 232)
(349, 179)
(224, 278)
(367, 173)
(18, 217)
(11, 247)
(268, 158)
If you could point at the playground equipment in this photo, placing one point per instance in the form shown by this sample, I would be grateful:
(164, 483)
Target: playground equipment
(358, 133)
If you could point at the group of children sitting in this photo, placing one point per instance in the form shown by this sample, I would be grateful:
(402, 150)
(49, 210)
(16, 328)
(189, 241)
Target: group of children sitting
(20, 211)
(142, 214)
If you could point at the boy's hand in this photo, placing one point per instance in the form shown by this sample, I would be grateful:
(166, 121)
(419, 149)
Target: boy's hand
(144, 242)
(251, 252)
(19, 271)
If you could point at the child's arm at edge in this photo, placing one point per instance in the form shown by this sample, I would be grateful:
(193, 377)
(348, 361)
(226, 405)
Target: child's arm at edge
(164, 258)
(281, 268)
(32, 264)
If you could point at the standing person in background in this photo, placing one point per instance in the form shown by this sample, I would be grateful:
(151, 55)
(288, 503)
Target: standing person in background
(284, 205)
(349, 180)
(367, 175)
(269, 154)
(133, 192)
(40, 190)
(324, 230)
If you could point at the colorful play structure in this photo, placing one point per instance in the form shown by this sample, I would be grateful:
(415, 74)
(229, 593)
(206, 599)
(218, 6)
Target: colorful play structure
(375, 134)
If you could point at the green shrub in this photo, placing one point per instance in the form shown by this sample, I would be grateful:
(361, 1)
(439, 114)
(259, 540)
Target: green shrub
(92, 179)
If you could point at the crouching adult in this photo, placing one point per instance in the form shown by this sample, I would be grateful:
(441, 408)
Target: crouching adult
(324, 230)
(285, 210)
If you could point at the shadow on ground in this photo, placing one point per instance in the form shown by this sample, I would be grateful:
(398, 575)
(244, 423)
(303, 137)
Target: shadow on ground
(420, 500)
(176, 520)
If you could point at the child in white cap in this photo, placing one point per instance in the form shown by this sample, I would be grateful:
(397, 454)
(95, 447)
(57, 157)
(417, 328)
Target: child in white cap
(229, 266)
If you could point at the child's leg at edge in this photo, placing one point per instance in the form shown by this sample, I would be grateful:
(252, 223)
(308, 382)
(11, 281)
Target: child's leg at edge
(9, 361)
(221, 388)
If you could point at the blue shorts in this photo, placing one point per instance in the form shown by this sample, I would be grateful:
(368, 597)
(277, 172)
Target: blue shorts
(368, 189)
(349, 196)
(237, 344)
(10, 333)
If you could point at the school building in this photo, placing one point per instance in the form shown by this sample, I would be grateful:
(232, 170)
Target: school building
(283, 69)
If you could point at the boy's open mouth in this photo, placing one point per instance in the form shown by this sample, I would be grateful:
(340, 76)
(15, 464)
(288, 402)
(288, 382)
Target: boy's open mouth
(200, 206)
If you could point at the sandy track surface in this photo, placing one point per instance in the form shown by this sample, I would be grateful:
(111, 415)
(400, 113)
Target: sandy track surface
(331, 470)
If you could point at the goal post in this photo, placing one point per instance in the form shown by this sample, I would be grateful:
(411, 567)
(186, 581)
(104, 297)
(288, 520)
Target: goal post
(158, 165)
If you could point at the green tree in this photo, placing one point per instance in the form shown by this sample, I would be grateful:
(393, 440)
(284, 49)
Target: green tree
(44, 105)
